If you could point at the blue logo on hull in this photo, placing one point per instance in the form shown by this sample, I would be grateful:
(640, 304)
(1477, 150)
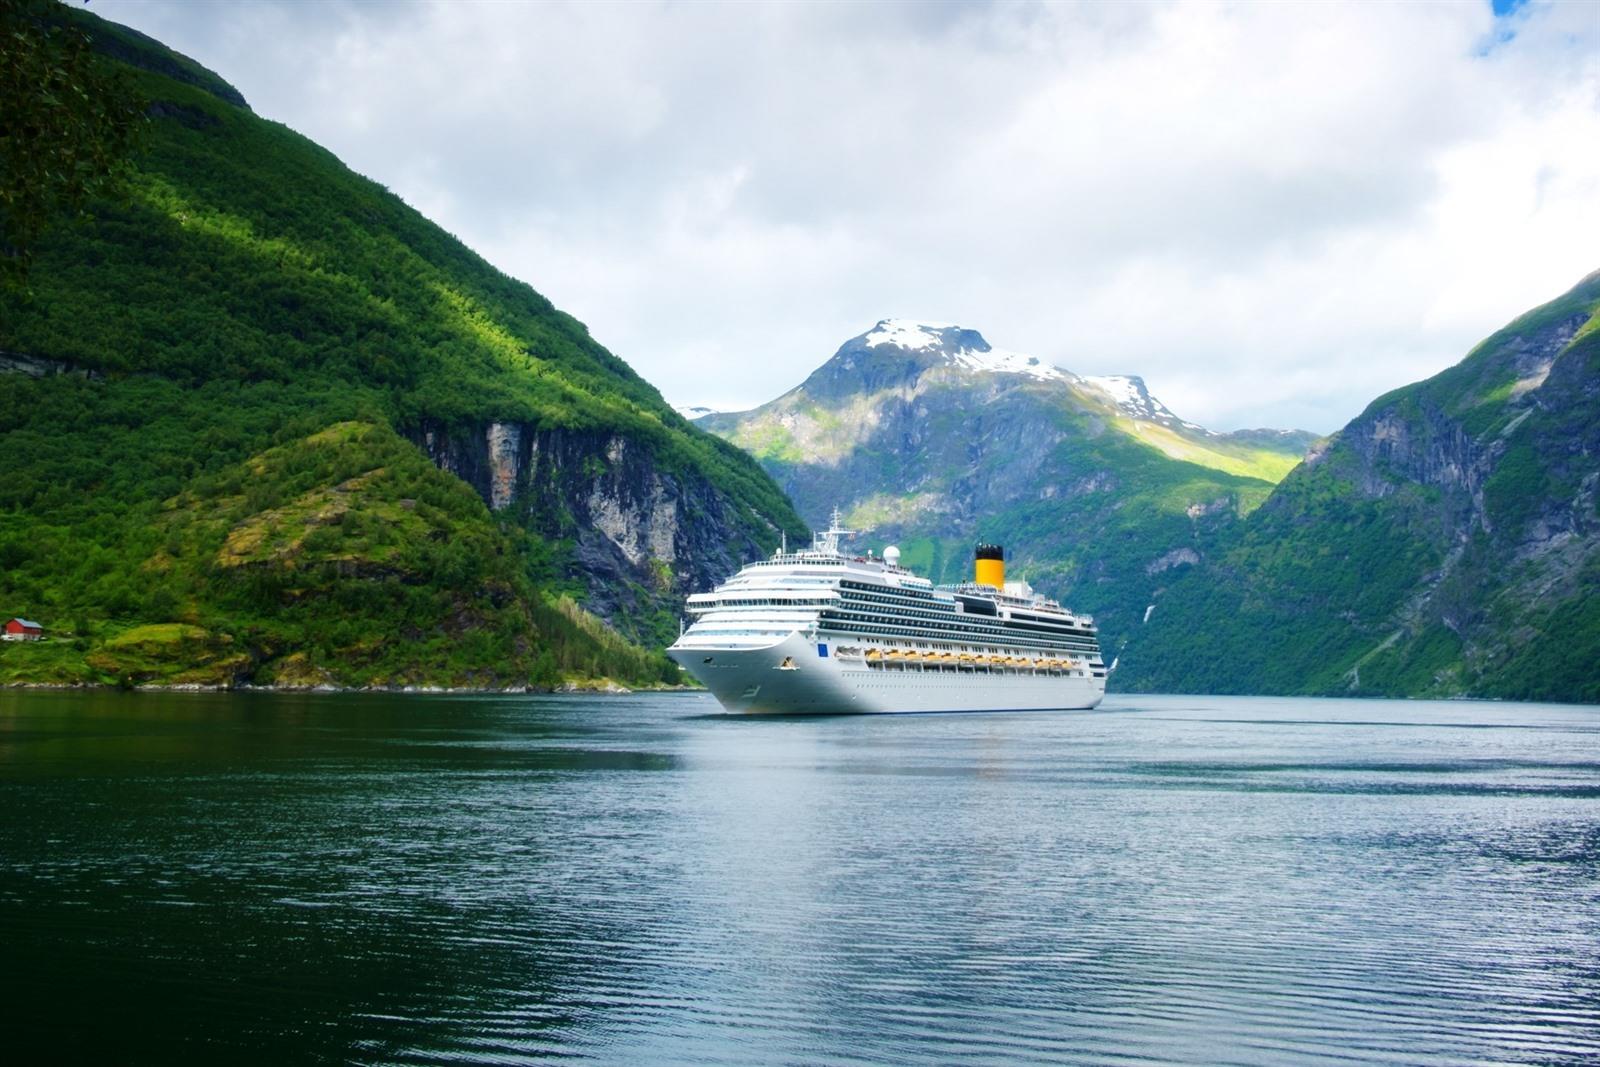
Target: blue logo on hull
(822, 651)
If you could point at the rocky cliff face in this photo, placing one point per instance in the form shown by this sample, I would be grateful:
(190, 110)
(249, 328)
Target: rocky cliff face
(1445, 542)
(641, 536)
(1422, 437)
(929, 437)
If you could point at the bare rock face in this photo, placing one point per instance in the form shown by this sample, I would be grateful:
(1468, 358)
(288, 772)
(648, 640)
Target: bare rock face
(505, 442)
(1178, 557)
(642, 536)
(1422, 438)
(639, 517)
(35, 367)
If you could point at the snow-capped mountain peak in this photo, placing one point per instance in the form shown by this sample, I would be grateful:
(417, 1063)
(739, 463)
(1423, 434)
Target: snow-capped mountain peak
(961, 347)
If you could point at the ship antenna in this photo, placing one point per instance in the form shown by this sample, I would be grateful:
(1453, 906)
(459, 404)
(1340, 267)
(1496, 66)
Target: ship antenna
(827, 542)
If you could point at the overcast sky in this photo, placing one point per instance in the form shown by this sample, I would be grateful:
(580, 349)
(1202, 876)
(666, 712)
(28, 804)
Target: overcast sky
(1274, 212)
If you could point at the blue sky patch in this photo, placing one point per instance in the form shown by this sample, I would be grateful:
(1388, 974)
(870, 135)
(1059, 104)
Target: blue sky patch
(1508, 18)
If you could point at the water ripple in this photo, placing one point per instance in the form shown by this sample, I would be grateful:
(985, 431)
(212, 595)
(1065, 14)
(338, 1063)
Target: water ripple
(1178, 880)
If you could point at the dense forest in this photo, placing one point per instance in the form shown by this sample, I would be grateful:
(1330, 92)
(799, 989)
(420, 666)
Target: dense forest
(208, 393)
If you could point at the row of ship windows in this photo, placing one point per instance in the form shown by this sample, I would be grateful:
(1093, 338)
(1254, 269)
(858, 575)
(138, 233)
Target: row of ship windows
(879, 595)
(877, 598)
(871, 588)
(867, 625)
(967, 626)
(981, 649)
(966, 623)
(888, 596)
(1088, 647)
(769, 582)
(884, 609)
(920, 640)
(945, 611)
(874, 592)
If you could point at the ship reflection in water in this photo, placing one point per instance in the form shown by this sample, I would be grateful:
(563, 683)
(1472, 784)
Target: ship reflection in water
(367, 878)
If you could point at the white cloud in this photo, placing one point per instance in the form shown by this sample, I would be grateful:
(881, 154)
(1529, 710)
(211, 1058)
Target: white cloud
(1272, 212)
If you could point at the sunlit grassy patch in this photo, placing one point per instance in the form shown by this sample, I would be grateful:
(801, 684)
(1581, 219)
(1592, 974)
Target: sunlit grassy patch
(1243, 460)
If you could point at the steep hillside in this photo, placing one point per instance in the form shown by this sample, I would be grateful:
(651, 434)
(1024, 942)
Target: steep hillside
(1445, 542)
(252, 293)
(927, 436)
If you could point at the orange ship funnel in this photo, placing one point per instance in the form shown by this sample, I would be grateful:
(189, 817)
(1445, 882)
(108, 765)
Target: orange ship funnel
(989, 565)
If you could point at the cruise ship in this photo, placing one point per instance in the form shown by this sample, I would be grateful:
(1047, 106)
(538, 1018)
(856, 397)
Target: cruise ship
(819, 631)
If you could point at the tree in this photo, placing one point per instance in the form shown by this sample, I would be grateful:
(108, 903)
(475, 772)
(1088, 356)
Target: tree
(69, 121)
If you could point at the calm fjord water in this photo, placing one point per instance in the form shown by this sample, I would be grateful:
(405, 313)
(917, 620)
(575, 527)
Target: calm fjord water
(637, 879)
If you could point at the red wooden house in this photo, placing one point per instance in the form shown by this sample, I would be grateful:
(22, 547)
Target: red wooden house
(22, 630)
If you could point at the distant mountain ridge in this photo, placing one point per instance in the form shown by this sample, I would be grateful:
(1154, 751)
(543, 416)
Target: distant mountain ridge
(895, 344)
(927, 435)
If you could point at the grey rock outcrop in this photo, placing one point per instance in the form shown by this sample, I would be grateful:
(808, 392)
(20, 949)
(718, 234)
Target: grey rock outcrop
(641, 536)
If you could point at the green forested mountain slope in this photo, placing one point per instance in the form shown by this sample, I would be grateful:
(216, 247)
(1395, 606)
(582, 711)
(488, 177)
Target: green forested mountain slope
(1446, 542)
(926, 436)
(260, 347)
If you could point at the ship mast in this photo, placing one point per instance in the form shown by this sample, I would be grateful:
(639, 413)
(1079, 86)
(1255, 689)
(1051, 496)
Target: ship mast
(827, 542)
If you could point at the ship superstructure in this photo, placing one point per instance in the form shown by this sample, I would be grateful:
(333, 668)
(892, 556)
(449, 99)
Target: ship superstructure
(819, 630)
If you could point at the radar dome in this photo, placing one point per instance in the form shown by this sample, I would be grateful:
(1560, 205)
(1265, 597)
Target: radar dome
(891, 556)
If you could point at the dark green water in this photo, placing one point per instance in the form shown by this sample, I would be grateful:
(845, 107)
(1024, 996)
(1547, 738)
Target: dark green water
(635, 880)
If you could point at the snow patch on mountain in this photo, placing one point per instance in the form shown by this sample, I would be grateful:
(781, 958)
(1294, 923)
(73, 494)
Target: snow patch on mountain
(906, 333)
(955, 344)
(998, 361)
(1129, 393)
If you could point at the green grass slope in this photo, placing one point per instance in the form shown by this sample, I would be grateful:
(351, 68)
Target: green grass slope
(1447, 542)
(223, 359)
(1266, 459)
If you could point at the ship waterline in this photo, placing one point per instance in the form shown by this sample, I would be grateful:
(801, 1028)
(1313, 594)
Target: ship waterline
(820, 632)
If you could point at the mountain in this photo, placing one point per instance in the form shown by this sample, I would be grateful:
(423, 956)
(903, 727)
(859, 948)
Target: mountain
(261, 421)
(1445, 543)
(928, 436)
(1262, 453)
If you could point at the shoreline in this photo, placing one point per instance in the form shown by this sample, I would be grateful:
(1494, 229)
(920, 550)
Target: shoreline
(597, 688)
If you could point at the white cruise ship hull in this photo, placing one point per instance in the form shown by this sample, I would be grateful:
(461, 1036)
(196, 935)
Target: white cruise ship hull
(791, 677)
